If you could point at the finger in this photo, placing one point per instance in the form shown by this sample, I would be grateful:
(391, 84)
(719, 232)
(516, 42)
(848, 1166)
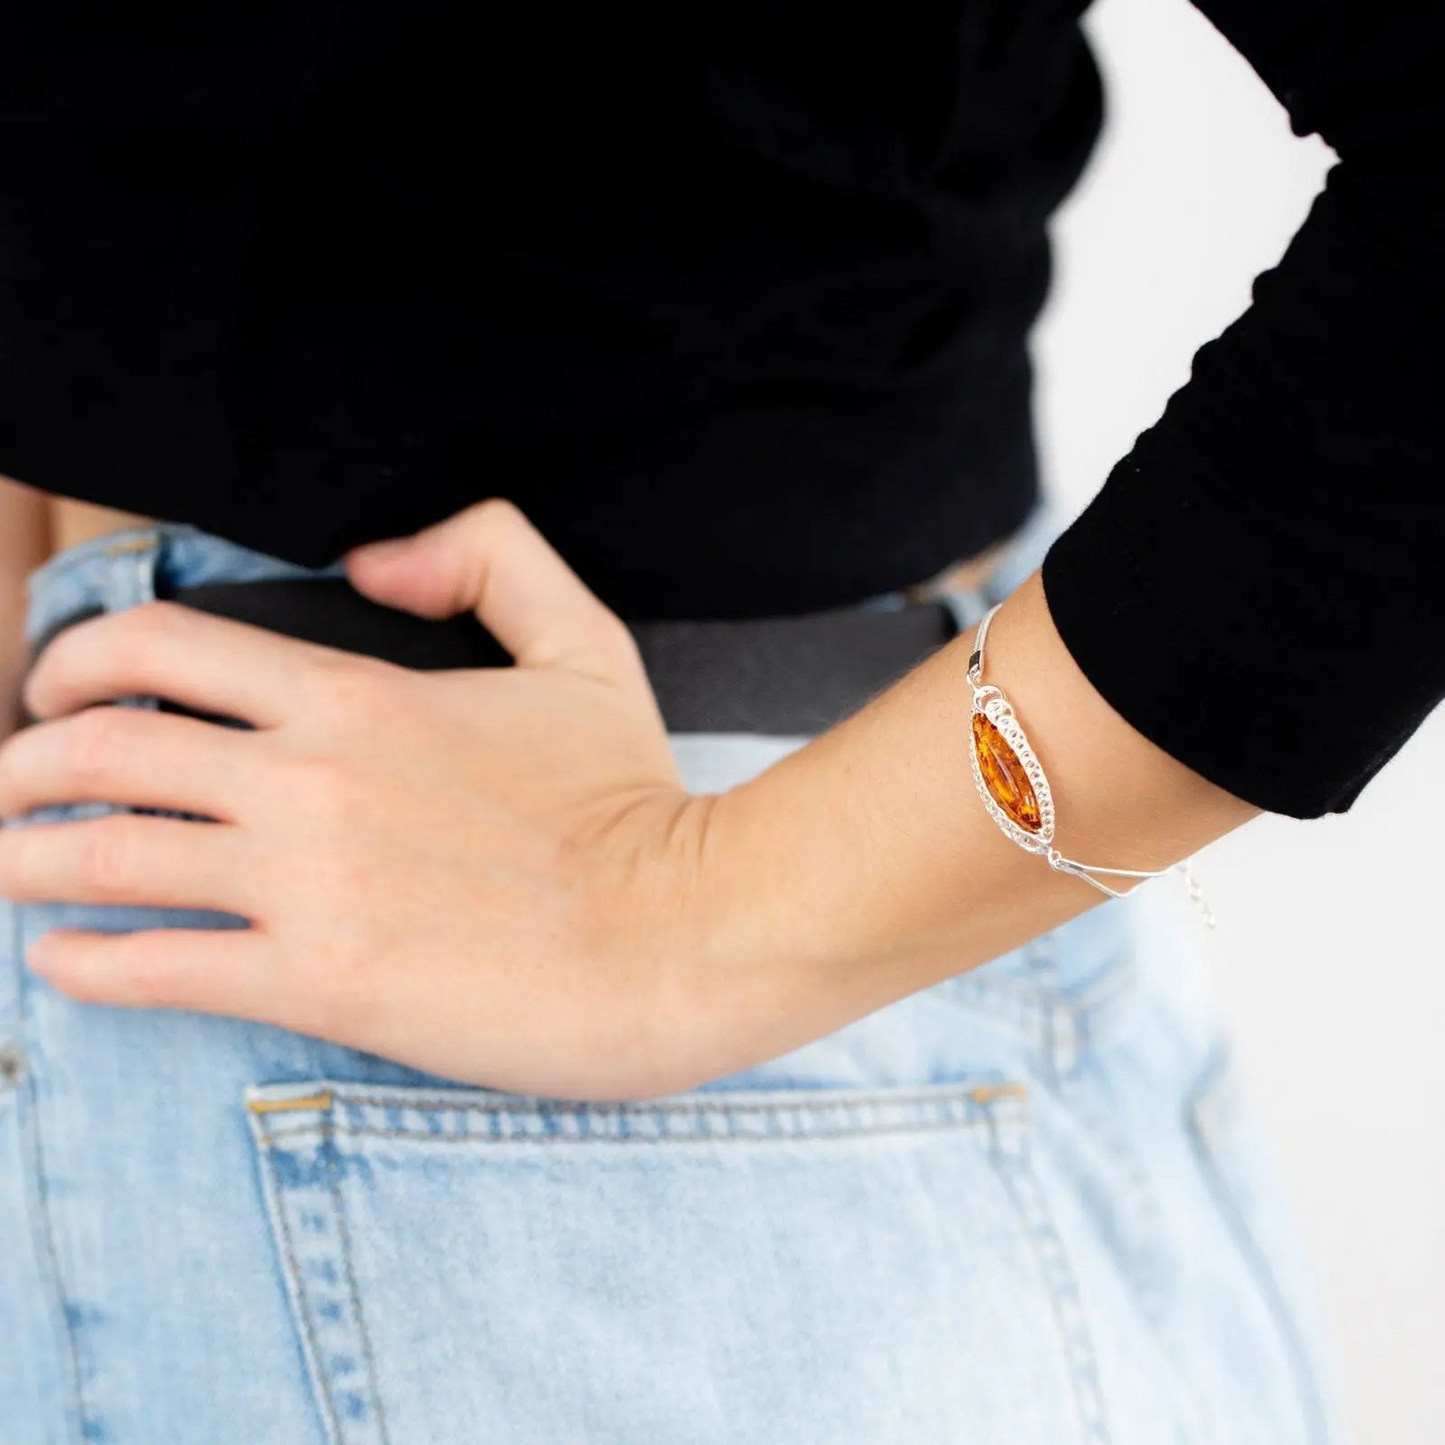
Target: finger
(127, 755)
(127, 858)
(212, 664)
(209, 970)
(491, 559)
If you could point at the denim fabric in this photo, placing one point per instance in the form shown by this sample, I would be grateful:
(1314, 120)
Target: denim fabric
(1024, 1206)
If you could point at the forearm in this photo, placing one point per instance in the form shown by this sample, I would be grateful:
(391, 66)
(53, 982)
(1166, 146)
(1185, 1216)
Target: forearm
(24, 545)
(865, 867)
(577, 924)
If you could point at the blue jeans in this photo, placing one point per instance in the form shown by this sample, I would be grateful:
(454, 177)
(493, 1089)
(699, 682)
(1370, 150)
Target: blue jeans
(1022, 1206)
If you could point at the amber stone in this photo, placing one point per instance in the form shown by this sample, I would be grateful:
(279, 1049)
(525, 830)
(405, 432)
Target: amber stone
(1004, 776)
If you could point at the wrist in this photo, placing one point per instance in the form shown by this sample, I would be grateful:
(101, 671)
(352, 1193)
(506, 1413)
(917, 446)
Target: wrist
(731, 977)
(864, 866)
(837, 881)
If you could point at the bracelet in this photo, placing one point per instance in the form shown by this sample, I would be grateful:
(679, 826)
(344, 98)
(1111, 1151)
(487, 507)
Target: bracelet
(1011, 782)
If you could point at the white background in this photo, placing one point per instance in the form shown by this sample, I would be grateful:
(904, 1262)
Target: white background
(1332, 935)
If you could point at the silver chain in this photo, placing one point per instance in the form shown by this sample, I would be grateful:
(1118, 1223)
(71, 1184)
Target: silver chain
(1056, 860)
(1196, 895)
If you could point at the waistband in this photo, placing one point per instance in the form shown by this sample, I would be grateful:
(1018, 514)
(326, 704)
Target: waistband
(125, 568)
(790, 675)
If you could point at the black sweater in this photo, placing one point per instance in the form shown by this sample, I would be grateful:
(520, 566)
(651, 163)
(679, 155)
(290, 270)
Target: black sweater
(733, 297)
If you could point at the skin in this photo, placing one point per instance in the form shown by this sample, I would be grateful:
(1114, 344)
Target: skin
(497, 875)
(25, 541)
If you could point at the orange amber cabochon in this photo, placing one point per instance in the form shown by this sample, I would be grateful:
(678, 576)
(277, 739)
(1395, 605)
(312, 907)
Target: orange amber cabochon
(1004, 776)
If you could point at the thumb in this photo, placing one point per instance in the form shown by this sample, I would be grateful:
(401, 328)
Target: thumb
(491, 560)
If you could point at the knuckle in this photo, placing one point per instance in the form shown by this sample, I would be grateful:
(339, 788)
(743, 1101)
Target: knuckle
(610, 651)
(355, 684)
(95, 746)
(618, 638)
(104, 854)
(498, 513)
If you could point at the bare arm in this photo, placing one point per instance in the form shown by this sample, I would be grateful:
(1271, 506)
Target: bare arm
(24, 545)
(864, 866)
(559, 915)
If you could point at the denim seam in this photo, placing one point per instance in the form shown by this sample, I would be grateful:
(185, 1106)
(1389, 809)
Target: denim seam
(331, 1419)
(1016, 1006)
(1026, 1009)
(1143, 1202)
(1061, 1285)
(1072, 1032)
(981, 1094)
(1099, 1007)
(42, 1223)
(65, 1327)
(420, 1136)
(1095, 1010)
(1142, 1276)
(343, 1234)
(1062, 1032)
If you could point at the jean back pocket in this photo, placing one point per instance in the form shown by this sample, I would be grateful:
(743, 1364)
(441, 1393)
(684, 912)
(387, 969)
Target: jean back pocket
(801, 1264)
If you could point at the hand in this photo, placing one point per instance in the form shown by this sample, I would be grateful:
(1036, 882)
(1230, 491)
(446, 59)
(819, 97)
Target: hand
(493, 875)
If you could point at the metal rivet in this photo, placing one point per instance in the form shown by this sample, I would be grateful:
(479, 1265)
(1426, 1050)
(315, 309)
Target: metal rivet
(12, 1066)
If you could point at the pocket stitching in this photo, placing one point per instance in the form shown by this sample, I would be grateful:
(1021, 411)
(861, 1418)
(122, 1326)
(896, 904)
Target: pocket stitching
(722, 1117)
(820, 1097)
(343, 1231)
(295, 1288)
(1061, 1285)
(1000, 1111)
(300, 1291)
(671, 1140)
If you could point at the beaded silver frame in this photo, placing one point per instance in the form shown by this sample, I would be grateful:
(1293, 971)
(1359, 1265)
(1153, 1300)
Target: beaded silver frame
(998, 710)
(989, 700)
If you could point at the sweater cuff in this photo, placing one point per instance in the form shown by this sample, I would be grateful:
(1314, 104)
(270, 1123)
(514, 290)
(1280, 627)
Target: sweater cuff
(1172, 606)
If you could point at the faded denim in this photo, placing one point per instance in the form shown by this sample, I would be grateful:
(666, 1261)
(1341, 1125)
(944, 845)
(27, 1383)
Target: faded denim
(1025, 1206)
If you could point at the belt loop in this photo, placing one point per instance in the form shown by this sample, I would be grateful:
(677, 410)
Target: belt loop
(131, 564)
(1061, 1042)
(132, 560)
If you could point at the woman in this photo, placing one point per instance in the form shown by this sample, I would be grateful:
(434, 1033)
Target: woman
(619, 1046)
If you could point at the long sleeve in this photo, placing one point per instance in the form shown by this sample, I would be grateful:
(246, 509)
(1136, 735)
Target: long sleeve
(1259, 586)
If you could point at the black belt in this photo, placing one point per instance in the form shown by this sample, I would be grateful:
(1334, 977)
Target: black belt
(788, 675)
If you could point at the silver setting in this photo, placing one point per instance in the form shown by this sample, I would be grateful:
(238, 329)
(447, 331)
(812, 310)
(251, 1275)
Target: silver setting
(991, 702)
